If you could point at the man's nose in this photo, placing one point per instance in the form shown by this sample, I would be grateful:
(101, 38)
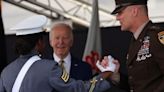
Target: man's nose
(117, 17)
(61, 40)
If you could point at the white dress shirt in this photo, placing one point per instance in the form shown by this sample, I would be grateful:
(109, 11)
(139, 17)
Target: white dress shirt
(67, 61)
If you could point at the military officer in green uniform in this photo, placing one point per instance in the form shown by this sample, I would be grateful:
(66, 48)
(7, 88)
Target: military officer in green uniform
(145, 59)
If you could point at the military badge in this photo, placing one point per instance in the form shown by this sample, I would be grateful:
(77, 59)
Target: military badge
(144, 50)
(161, 37)
(127, 56)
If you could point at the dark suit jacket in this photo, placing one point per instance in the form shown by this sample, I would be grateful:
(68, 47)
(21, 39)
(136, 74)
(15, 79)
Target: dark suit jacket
(79, 70)
(146, 74)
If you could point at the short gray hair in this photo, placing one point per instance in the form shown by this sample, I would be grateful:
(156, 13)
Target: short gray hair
(60, 25)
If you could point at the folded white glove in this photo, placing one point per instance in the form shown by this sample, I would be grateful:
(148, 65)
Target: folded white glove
(111, 66)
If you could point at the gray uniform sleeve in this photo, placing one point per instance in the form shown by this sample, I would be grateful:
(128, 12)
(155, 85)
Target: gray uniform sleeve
(97, 84)
(1, 86)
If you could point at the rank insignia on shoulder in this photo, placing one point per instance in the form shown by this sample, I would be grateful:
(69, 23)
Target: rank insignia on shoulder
(93, 83)
(161, 37)
(65, 76)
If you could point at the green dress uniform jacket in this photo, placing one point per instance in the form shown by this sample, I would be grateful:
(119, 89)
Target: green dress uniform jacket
(145, 60)
(46, 76)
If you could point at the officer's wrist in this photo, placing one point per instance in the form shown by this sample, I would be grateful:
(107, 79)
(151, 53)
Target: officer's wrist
(106, 75)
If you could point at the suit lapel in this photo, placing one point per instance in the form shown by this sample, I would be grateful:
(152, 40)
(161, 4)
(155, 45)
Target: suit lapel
(135, 45)
(73, 66)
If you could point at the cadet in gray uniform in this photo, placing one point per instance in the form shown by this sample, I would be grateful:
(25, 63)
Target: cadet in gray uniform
(30, 73)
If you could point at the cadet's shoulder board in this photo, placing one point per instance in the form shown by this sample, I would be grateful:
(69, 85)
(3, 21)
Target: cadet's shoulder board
(161, 37)
(65, 76)
(93, 83)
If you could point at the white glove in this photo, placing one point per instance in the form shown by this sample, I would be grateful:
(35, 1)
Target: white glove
(111, 66)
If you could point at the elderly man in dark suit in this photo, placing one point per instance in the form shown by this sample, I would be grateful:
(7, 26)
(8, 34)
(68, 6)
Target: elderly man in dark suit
(61, 40)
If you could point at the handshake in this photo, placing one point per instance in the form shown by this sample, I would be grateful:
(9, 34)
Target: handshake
(108, 64)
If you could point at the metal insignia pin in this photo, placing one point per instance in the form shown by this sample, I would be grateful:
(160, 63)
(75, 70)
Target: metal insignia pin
(75, 64)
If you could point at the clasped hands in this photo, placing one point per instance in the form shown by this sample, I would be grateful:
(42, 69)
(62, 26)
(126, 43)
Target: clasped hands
(108, 64)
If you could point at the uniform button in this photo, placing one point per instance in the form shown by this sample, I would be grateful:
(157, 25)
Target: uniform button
(131, 90)
(130, 77)
(130, 67)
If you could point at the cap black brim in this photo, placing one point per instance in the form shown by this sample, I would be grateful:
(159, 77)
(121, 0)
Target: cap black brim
(116, 10)
(123, 6)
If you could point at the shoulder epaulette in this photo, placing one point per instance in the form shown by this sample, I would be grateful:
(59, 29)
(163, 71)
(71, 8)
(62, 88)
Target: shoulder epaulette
(154, 28)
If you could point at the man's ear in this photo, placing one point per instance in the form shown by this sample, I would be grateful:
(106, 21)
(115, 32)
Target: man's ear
(51, 43)
(135, 11)
(40, 42)
(71, 42)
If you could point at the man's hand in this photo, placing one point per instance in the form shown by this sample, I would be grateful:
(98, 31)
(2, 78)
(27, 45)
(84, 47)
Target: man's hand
(107, 64)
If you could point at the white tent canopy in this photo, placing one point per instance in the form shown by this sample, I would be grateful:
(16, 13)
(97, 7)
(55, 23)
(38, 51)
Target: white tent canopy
(79, 11)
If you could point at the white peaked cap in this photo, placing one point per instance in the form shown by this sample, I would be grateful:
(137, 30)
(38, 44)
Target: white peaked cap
(31, 25)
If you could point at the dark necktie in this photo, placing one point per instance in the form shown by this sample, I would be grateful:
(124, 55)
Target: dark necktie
(65, 75)
(62, 64)
(133, 39)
